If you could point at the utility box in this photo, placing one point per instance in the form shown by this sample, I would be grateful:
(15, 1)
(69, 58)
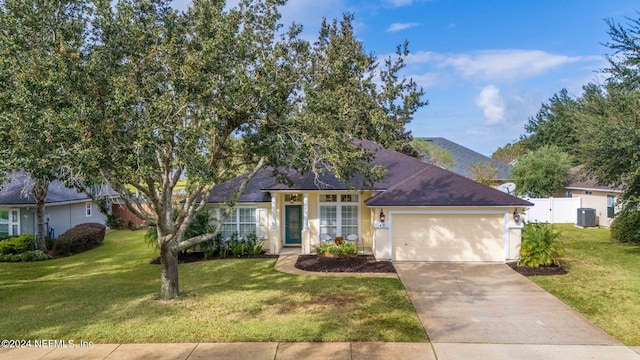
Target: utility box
(586, 217)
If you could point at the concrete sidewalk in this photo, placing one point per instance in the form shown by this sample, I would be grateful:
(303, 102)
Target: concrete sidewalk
(253, 351)
(334, 350)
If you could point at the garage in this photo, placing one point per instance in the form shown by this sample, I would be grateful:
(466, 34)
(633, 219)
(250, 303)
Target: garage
(447, 237)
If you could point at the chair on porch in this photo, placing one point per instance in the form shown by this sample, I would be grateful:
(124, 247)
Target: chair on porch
(325, 238)
(353, 239)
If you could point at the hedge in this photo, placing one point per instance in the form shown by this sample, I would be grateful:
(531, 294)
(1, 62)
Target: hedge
(626, 227)
(79, 238)
(17, 245)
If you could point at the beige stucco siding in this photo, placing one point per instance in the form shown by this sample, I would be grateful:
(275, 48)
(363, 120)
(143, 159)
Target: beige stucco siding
(366, 221)
(448, 237)
(598, 200)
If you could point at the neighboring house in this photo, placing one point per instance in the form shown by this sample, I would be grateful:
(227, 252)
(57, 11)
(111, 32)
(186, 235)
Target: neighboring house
(64, 207)
(593, 195)
(464, 158)
(430, 214)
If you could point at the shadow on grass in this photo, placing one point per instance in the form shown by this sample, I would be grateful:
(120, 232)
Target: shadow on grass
(110, 295)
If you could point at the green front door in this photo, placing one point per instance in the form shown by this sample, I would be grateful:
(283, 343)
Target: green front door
(293, 224)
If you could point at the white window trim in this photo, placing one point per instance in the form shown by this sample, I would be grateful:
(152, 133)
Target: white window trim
(237, 219)
(12, 223)
(338, 204)
(88, 209)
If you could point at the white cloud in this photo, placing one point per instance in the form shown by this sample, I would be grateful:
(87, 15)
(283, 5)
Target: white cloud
(425, 80)
(498, 65)
(508, 64)
(491, 104)
(395, 27)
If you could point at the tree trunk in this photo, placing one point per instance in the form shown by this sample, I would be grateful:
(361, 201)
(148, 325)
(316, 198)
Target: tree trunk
(169, 262)
(40, 189)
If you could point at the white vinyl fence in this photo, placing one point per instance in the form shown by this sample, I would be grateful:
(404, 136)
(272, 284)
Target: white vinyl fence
(554, 210)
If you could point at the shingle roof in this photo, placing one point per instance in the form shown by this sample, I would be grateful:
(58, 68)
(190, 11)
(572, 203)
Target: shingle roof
(12, 192)
(465, 157)
(407, 182)
(578, 180)
(433, 186)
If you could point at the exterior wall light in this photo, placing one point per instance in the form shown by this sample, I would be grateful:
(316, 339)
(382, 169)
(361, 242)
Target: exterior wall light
(516, 216)
(382, 217)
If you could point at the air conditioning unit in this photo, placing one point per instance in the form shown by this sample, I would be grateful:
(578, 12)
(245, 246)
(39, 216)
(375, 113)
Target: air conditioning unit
(586, 217)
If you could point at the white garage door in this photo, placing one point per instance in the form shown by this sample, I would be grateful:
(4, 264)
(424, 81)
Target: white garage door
(447, 237)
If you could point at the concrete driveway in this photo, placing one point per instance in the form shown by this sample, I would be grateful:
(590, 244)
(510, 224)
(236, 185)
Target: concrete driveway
(467, 308)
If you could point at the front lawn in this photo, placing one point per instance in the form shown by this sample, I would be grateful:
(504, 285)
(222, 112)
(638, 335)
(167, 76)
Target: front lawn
(603, 282)
(109, 295)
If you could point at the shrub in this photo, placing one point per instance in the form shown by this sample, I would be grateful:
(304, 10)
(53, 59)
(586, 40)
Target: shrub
(343, 249)
(114, 222)
(80, 238)
(254, 244)
(626, 227)
(539, 246)
(32, 255)
(17, 245)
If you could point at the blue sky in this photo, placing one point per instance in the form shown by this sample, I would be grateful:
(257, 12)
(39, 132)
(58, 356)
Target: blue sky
(486, 65)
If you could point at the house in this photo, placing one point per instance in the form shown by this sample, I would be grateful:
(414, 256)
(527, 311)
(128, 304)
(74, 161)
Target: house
(417, 212)
(464, 158)
(64, 207)
(602, 198)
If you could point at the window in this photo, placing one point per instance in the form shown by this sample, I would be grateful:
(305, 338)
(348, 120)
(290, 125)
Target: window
(9, 222)
(242, 221)
(328, 220)
(587, 192)
(339, 214)
(88, 209)
(4, 222)
(611, 205)
(569, 194)
(14, 222)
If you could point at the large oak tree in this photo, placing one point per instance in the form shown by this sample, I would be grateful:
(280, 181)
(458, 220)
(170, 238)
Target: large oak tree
(147, 96)
(209, 94)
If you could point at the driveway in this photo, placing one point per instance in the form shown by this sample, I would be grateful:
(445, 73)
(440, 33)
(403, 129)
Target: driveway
(492, 304)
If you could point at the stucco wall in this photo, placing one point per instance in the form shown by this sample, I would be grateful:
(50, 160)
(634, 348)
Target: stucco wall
(64, 217)
(597, 200)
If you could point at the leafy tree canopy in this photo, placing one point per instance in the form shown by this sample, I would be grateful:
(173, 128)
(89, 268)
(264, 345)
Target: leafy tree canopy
(433, 154)
(510, 152)
(40, 54)
(610, 116)
(554, 124)
(541, 172)
(484, 172)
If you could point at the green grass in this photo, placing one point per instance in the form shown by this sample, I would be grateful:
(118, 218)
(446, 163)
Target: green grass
(603, 282)
(109, 295)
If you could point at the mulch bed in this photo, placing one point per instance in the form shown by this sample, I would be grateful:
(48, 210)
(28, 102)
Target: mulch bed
(199, 256)
(357, 264)
(537, 271)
